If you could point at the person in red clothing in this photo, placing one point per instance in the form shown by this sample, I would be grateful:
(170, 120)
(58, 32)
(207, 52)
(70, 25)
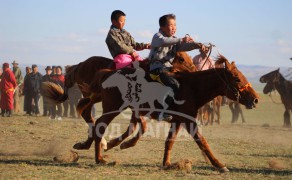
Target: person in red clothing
(59, 79)
(7, 87)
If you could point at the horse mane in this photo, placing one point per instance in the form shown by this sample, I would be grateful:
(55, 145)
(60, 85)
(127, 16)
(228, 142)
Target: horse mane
(70, 68)
(220, 59)
(69, 75)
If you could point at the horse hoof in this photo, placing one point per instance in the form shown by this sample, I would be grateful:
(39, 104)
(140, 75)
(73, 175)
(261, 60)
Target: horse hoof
(101, 162)
(223, 170)
(81, 146)
(123, 146)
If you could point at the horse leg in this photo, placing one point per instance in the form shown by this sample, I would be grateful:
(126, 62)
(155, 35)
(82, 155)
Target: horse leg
(232, 111)
(86, 114)
(100, 127)
(132, 142)
(191, 127)
(241, 114)
(131, 128)
(218, 112)
(172, 134)
(287, 122)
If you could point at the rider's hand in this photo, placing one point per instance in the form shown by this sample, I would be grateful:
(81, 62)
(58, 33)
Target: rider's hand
(135, 55)
(187, 39)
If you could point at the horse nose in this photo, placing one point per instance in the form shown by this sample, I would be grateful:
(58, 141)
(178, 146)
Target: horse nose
(255, 101)
(262, 80)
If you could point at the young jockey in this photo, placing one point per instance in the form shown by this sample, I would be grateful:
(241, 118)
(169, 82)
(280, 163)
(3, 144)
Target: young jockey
(120, 43)
(202, 63)
(164, 46)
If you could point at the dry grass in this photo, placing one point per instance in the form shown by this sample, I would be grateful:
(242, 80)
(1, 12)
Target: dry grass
(258, 149)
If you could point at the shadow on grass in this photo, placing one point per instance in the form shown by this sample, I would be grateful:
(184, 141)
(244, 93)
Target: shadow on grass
(262, 155)
(38, 163)
(208, 168)
(251, 171)
(273, 155)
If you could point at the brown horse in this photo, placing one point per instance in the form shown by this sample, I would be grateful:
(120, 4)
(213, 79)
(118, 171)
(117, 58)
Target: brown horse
(275, 81)
(194, 92)
(84, 73)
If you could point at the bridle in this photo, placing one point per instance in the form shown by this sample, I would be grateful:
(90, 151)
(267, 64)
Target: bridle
(234, 90)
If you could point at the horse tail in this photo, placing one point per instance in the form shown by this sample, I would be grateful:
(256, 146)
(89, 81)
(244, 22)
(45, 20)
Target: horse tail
(54, 92)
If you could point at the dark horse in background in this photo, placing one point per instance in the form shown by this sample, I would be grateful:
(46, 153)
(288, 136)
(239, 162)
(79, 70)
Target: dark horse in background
(275, 81)
(84, 73)
(194, 91)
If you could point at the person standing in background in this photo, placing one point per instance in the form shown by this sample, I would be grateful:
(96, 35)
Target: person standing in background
(34, 86)
(26, 92)
(7, 87)
(1, 72)
(74, 95)
(59, 79)
(19, 80)
(46, 105)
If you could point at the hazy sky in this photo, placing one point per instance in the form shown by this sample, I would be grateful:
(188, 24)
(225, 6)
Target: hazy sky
(61, 32)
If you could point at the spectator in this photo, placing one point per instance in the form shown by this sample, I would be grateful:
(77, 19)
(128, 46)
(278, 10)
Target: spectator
(46, 105)
(19, 81)
(7, 87)
(59, 79)
(26, 103)
(74, 95)
(1, 72)
(34, 88)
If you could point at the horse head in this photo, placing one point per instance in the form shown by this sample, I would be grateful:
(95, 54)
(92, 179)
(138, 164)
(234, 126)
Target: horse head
(270, 78)
(238, 88)
(183, 63)
(273, 76)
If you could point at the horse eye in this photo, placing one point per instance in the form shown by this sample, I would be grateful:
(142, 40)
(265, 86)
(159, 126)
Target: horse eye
(181, 59)
(237, 80)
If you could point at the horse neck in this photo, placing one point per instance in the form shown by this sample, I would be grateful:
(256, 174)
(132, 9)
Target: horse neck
(206, 85)
(280, 86)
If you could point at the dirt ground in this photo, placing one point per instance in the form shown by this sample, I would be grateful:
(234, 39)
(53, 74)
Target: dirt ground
(258, 149)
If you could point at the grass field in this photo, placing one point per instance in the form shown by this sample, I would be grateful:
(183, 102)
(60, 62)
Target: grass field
(258, 149)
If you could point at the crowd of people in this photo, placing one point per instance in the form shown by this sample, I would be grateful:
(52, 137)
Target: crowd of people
(13, 86)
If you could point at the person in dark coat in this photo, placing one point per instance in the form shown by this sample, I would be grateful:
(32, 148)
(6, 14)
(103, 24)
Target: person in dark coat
(25, 90)
(34, 89)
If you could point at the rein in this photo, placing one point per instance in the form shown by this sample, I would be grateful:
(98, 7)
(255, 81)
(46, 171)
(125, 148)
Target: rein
(273, 99)
(270, 94)
(234, 90)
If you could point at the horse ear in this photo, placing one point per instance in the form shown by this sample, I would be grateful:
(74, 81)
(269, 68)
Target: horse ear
(220, 60)
(228, 65)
